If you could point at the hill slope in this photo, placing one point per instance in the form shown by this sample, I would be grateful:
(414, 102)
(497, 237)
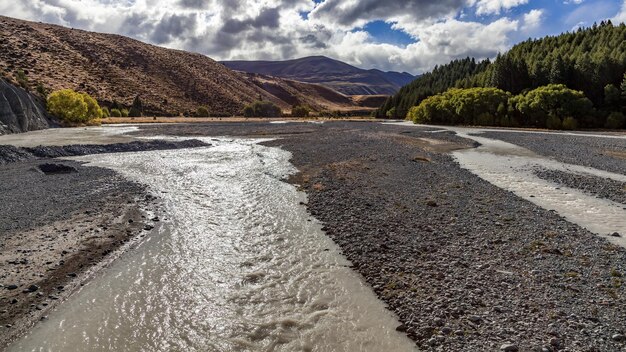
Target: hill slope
(115, 68)
(335, 74)
(587, 60)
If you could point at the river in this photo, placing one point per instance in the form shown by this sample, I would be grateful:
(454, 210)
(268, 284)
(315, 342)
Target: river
(234, 264)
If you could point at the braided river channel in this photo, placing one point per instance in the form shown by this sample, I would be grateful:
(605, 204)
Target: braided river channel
(235, 264)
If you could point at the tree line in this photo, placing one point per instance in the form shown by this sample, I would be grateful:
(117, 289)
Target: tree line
(590, 60)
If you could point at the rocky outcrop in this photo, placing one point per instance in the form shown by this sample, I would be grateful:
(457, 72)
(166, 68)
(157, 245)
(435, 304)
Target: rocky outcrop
(20, 111)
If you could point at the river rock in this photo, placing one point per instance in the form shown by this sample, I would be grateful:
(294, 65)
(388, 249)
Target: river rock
(619, 337)
(54, 169)
(509, 348)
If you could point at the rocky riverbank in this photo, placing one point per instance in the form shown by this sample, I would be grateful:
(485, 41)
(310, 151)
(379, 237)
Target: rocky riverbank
(62, 221)
(464, 264)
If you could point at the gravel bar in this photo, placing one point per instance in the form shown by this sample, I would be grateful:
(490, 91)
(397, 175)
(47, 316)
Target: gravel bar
(607, 154)
(597, 186)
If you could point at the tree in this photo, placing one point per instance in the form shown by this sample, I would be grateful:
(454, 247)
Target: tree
(136, 110)
(93, 109)
(616, 120)
(105, 112)
(623, 89)
(72, 107)
(542, 107)
(391, 113)
(612, 96)
(480, 106)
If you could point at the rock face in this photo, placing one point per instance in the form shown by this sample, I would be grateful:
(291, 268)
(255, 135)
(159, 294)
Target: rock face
(20, 111)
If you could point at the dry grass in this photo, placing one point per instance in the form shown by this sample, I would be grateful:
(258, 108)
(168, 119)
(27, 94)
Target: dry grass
(138, 120)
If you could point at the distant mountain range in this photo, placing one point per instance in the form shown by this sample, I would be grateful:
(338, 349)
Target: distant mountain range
(335, 74)
(114, 68)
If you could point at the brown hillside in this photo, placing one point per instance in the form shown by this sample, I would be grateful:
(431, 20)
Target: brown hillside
(116, 68)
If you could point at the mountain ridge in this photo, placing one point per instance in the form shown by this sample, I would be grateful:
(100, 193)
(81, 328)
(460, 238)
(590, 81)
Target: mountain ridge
(343, 77)
(113, 68)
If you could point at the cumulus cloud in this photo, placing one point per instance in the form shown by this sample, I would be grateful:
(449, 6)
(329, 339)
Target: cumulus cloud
(621, 16)
(532, 20)
(277, 29)
(495, 7)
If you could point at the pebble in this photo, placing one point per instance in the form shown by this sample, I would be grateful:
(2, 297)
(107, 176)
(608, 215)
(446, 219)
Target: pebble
(618, 337)
(509, 348)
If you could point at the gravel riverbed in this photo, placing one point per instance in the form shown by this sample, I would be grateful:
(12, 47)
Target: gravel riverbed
(465, 265)
(598, 186)
(602, 153)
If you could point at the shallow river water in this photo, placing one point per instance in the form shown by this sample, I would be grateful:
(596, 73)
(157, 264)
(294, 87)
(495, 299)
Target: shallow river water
(512, 167)
(235, 264)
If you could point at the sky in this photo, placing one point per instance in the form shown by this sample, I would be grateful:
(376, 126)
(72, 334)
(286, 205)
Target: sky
(400, 35)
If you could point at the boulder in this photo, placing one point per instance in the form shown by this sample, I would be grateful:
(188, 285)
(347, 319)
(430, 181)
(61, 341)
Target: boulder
(20, 111)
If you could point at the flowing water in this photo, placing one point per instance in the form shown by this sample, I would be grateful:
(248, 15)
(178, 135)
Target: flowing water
(236, 264)
(512, 167)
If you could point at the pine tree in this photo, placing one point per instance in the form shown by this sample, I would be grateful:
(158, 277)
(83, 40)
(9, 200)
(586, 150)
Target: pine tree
(136, 109)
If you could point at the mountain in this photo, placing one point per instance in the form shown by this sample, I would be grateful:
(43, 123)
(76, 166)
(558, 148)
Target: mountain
(335, 74)
(591, 60)
(114, 68)
(20, 111)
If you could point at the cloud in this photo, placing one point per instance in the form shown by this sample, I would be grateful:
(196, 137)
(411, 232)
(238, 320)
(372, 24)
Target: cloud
(277, 29)
(356, 13)
(621, 16)
(532, 20)
(495, 7)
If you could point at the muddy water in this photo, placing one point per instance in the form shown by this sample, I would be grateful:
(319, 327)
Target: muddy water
(511, 167)
(235, 264)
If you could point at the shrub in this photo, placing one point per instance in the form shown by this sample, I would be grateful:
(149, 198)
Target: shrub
(553, 123)
(22, 79)
(616, 120)
(72, 107)
(105, 112)
(124, 112)
(391, 113)
(300, 111)
(570, 123)
(202, 111)
(248, 111)
(116, 113)
(262, 109)
(42, 91)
